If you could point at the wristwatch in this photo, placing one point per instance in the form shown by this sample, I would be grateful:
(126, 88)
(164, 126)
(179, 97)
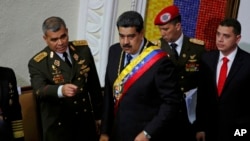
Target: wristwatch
(146, 134)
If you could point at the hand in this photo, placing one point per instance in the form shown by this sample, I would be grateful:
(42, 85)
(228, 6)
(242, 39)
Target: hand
(69, 90)
(200, 136)
(98, 126)
(141, 137)
(104, 137)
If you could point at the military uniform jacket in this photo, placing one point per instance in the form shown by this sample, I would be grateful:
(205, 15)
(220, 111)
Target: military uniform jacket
(65, 119)
(150, 104)
(188, 62)
(187, 65)
(11, 125)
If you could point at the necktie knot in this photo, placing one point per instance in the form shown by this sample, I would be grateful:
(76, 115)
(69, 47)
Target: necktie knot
(173, 45)
(65, 54)
(225, 59)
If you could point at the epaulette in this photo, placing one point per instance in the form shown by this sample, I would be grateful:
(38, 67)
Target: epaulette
(156, 42)
(196, 41)
(80, 42)
(40, 56)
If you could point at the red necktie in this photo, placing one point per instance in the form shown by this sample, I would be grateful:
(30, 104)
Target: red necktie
(223, 75)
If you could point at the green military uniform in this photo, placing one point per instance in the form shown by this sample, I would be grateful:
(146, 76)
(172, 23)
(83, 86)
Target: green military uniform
(188, 62)
(187, 66)
(67, 119)
(11, 124)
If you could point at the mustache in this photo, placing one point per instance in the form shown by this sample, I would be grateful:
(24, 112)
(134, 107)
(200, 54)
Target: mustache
(127, 46)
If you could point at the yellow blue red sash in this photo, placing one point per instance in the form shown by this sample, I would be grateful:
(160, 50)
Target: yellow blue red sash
(135, 70)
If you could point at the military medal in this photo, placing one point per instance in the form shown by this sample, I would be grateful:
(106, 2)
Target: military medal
(192, 66)
(118, 91)
(57, 76)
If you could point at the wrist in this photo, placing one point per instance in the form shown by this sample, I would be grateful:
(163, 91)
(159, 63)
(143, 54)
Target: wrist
(146, 134)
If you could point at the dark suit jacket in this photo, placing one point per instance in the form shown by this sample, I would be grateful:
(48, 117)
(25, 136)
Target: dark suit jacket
(11, 128)
(220, 116)
(151, 103)
(67, 119)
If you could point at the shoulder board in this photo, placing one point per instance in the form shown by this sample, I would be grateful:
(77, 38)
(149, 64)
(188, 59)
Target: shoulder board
(40, 56)
(156, 42)
(80, 42)
(196, 41)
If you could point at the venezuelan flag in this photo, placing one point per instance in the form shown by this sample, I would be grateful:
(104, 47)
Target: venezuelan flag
(200, 18)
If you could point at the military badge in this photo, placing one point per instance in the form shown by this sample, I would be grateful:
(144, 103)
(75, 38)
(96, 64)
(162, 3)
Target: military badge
(192, 65)
(81, 62)
(72, 48)
(51, 54)
(57, 76)
(57, 63)
(76, 57)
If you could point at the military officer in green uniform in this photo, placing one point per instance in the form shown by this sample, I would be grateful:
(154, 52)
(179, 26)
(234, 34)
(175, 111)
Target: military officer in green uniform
(185, 52)
(11, 124)
(65, 81)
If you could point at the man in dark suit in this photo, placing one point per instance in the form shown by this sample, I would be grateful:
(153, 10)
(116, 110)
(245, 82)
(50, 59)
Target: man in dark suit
(186, 56)
(11, 124)
(141, 96)
(67, 86)
(223, 108)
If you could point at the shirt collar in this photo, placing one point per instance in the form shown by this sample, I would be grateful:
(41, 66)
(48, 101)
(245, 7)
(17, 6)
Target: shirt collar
(231, 56)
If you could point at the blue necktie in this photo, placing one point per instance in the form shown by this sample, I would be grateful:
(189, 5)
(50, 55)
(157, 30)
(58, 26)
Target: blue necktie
(129, 58)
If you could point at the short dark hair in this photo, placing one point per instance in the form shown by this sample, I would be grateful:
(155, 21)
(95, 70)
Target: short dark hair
(53, 23)
(176, 20)
(130, 19)
(231, 22)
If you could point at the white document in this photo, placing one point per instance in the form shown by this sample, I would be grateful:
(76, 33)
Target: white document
(191, 97)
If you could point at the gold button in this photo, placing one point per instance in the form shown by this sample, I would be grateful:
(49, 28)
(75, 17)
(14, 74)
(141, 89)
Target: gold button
(85, 110)
(79, 78)
(182, 89)
(81, 89)
(75, 102)
(182, 77)
(59, 123)
(83, 99)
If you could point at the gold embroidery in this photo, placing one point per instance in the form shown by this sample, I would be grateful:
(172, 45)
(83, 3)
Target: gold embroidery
(40, 56)
(80, 42)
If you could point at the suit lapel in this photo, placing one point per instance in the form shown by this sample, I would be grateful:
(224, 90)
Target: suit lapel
(236, 65)
(185, 53)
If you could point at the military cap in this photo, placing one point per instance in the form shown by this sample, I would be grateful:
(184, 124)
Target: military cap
(166, 15)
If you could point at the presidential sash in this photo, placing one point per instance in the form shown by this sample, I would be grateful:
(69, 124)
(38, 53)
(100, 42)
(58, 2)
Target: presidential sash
(134, 71)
